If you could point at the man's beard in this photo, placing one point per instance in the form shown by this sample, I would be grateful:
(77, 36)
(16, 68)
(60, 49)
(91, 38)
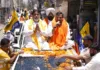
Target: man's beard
(50, 18)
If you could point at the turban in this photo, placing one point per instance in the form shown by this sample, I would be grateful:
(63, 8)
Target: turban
(50, 10)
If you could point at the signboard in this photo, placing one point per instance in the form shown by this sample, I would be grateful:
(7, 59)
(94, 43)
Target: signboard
(90, 4)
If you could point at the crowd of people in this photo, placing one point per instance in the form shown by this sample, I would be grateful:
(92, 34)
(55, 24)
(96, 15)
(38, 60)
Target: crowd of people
(50, 33)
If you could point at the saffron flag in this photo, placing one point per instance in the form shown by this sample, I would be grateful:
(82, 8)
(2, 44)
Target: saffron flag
(12, 22)
(85, 30)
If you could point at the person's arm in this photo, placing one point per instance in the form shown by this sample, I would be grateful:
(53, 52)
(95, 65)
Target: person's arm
(94, 64)
(12, 59)
(76, 57)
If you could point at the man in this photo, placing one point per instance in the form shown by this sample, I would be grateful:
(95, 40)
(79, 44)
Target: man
(85, 53)
(6, 56)
(22, 18)
(60, 31)
(34, 31)
(50, 13)
(94, 64)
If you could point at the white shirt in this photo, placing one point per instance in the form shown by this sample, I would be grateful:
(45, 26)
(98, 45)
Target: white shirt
(85, 53)
(48, 31)
(94, 64)
(28, 40)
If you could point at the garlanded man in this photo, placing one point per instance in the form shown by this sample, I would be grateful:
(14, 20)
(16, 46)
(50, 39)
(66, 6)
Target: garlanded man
(34, 32)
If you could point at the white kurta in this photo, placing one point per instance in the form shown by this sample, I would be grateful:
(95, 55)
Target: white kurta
(85, 53)
(94, 64)
(48, 31)
(28, 40)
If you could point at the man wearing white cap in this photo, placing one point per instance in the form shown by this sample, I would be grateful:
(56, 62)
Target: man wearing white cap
(50, 13)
